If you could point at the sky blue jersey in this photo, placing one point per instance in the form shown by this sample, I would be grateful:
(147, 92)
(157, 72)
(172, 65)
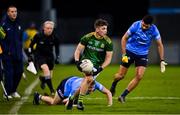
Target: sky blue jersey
(73, 83)
(140, 40)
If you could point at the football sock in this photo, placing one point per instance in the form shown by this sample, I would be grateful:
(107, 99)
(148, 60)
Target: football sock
(49, 83)
(125, 93)
(114, 83)
(42, 79)
(80, 99)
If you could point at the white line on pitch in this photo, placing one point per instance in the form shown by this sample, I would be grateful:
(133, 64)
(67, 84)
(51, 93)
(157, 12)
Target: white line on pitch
(17, 105)
(136, 98)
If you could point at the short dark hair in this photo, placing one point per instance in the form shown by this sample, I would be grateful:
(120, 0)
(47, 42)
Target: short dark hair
(11, 6)
(148, 19)
(100, 22)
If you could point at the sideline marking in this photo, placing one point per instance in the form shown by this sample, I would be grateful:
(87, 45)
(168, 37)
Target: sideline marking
(27, 92)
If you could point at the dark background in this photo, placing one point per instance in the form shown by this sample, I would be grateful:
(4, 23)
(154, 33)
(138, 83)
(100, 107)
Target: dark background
(74, 18)
(121, 13)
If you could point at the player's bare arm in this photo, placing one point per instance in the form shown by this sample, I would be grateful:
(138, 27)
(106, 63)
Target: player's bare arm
(78, 51)
(123, 43)
(160, 49)
(109, 96)
(108, 58)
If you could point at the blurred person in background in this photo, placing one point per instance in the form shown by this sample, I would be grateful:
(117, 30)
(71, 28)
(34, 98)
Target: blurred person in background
(28, 36)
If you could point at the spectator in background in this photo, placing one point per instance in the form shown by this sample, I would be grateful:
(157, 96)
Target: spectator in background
(28, 36)
(12, 57)
(43, 53)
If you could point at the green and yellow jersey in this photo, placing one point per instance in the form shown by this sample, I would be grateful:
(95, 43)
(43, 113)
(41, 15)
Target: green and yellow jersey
(95, 48)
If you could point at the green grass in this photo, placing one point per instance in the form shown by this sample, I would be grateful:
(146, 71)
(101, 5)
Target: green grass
(154, 88)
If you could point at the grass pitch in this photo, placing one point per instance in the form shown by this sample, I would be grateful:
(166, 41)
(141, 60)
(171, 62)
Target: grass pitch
(157, 93)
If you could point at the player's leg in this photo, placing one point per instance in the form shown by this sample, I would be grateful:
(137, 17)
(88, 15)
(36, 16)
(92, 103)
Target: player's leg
(83, 90)
(50, 63)
(45, 74)
(72, 99)
(122, 71)
(41, 63)
(50, 100)
(117, 77)
(140, 63)
(133, 83)
(46, 78)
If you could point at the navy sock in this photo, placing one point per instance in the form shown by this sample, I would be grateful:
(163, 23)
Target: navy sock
(49, 83)
(114, 83)
(125, 93)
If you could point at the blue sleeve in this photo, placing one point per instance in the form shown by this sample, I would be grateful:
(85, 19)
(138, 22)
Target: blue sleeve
(132, 28)
(156, 34)
(98, 86)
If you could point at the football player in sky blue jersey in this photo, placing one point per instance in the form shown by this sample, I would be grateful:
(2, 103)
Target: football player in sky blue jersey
(135, 46)
(68, 87)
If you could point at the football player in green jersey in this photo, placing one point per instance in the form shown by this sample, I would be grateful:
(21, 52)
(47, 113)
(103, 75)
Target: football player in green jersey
(97, 47)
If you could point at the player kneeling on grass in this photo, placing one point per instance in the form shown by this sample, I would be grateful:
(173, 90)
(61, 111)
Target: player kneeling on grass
(68, 87)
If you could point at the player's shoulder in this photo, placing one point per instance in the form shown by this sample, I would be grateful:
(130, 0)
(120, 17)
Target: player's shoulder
(108, 39)
(137, 24)
(89, 34)
(154, 26)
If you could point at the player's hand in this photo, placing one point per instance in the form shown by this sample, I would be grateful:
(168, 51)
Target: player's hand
(163, 66)
(99, 69)
(109, 105)
(124, 58)
(78, 63)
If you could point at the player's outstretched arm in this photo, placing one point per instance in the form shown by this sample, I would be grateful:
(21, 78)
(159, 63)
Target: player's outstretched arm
(109, 96)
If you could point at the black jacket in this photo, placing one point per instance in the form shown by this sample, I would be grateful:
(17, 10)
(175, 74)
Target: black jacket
(12, 43)
(45, 44)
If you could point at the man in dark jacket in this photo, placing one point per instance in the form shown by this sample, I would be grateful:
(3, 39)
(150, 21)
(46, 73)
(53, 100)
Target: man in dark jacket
(11, 44)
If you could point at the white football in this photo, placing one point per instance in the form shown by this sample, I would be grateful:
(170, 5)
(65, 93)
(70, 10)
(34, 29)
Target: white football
(87, 66)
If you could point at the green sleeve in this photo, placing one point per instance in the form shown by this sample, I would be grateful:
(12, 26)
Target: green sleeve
(109, 46)
(83, 40)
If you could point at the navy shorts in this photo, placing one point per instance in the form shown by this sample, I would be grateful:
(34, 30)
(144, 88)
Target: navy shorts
(139, 60)
(60, 88)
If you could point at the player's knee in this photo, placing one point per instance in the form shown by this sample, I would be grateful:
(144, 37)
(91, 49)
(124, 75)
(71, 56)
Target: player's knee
(52, 103)
(139, 76)
(118, 76)
(46, 71)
